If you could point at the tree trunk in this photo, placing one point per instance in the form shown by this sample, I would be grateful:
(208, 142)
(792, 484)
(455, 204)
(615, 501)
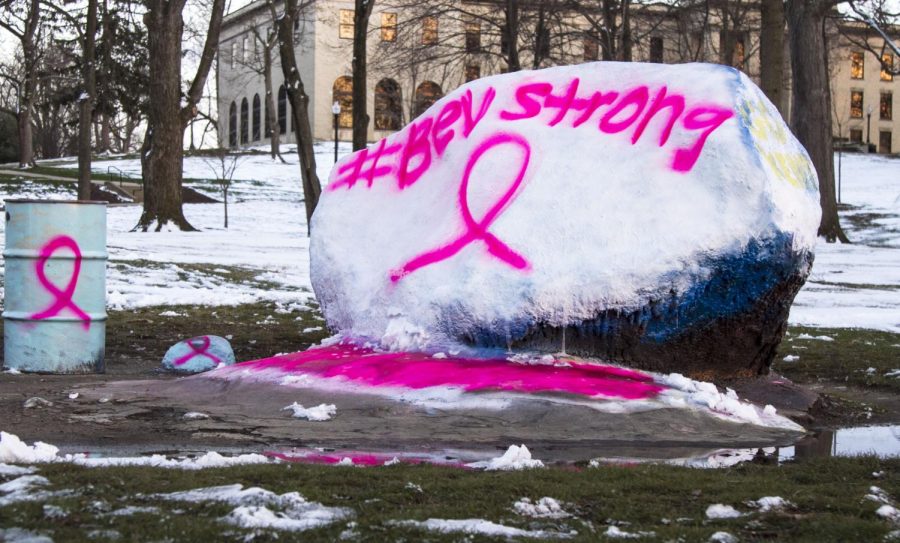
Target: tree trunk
(226, 206)
(163, 172)
(512, 36)
(362, 12)
(272, 115)
(811, 110)
(299, 107)
(26, 142)
(627, 42)
(771, 51)
(609, 36)
(86, 103)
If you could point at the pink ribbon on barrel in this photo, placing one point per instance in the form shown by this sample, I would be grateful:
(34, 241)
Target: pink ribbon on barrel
(478, 230)
(63, 297)
(200, 346)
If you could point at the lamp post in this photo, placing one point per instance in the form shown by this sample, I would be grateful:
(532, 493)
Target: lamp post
(869, 111)
(336, 110)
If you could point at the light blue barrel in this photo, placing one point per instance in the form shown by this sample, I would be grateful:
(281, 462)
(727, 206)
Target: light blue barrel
(55, 286)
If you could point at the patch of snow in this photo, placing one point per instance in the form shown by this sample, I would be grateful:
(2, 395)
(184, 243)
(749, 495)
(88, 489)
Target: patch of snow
(12, 371)
(14, 450)
(311, 329)
(722, 537)
(720, 511)
(54, 512)
(479, 527)
(21, 535)
(7, 470)
(36, 401)
(24, 483)
(134, 510)
(194, 415)
(171, 313)
(346, 461)
(392, 462)
(613, 532)
(820, 338)
(319, 413)
(73, 395)
(545, 507)
(515, 458)
(791, 358)
(889, 512)
(770, 503)
(414, 487)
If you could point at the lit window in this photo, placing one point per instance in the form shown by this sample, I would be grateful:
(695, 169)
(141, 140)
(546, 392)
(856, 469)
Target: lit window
(429, 31)
(342, 93)
(234, 52)
(388, 105)
(427, 94)
(473, 72)
(887, 105)
(857, 65)
(887, 66)
(591, 49)
(473, 37)
(345, 29)
(388, 26)
(856, 104)
(245, 49)
(740, 52)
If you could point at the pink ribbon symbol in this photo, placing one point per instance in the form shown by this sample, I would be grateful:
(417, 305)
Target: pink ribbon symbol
(63, 297)
(200, 346)
(478, 230)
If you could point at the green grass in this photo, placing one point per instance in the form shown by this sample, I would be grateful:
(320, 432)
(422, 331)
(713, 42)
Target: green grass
(671, 502)
(846, 360)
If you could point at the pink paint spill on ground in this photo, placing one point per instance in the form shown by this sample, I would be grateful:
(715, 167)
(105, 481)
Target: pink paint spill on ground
(415, 370)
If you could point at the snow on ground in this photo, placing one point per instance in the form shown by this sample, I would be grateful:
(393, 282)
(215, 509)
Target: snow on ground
(858, 285)
(263, 256)
(515, 458)
(318, 413)
(479, 527)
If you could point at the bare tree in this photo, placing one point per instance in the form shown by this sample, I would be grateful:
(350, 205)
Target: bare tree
(811, 109)
(22, 19)
(299, 100)
(223, 164)
(361, 14)
(864, 28)
(162, 153)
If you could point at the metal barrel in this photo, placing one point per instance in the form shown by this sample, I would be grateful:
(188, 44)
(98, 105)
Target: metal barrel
(55, 286)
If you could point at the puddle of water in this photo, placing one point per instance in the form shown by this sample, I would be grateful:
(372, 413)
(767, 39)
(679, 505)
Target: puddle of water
(882, 441)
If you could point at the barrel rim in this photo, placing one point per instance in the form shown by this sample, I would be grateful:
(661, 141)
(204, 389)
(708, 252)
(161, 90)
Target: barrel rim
(37, 201)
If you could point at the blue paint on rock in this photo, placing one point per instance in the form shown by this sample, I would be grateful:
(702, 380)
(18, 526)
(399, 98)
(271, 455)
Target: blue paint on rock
(198, 354)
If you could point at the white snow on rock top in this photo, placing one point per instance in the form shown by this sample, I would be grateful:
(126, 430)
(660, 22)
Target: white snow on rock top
(504, 202)
(319, 413)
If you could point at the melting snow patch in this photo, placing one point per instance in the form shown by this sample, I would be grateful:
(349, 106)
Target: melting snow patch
(820, 338)
(791, 358)
(318, 413)
(194, 415)
(719, 511)
(133, 510)
(614, 532)
(478, 527)
(14, 471)
(878, 495)
(515, 458)
(770, 503)
(889, 512)
(20, 535)
(722, 537)
(259, 508)
(545, 507)
(14, 450)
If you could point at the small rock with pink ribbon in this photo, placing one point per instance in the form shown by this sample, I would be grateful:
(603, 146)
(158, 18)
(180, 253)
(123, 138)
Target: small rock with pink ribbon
(198, 354)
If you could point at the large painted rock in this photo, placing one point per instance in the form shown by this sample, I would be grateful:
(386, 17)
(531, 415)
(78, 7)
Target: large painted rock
(659, 216)
(198, 354)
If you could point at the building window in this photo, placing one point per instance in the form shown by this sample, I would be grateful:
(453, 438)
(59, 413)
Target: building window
(245, 129)
(473, 37)
(427, 94)
(342, 93)
(388, 108)
(857, 65)
(887, 67)
(232, 125)
(856, 104)
(473, 72)
(282, 110)
(234, 52)
(245, 49)
(429, 31)
(591, 48)
(656, 49)
(388, 26)
(345, 28)
(887, 105)
(255, 117)
(856, 135)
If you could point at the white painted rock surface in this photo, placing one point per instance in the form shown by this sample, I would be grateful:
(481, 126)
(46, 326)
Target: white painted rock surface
(198, 354)
(644, 208)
